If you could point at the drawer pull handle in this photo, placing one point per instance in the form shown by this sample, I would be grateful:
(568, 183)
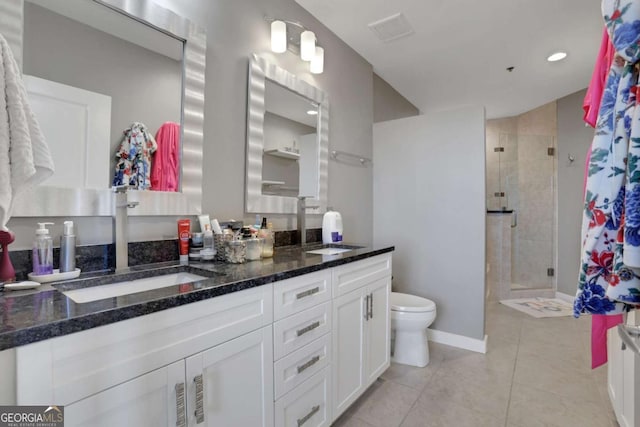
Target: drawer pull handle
(308, 364)
(309, 415)
(308, 292)
(371, 305)
(181, 420)
(199, 413)
(309, 328)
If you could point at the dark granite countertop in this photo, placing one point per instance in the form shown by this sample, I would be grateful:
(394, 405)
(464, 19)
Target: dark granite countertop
(34, 315)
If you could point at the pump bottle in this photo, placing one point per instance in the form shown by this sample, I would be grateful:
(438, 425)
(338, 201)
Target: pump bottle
(43, 250)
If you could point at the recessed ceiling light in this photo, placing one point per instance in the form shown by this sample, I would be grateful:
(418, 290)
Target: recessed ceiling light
(312, 112)
(557, 56)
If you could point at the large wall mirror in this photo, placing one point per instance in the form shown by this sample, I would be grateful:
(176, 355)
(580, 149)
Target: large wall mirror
(93, 68)
(287, 141)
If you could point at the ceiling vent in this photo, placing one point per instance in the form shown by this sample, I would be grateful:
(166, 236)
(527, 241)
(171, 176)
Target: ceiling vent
(391, 28)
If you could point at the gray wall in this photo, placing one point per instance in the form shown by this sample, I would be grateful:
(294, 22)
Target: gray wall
(433, 210)
(574, 139)
(388, 104)
(144, 86)
(235, 29)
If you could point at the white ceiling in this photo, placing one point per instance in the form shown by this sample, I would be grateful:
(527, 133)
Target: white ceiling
(460, 49)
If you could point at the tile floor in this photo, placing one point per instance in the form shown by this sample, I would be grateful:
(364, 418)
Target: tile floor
(536, 373)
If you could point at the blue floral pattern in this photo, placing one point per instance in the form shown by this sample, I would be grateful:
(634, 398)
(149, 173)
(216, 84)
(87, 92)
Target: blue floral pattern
(133, 165)
(610, 263)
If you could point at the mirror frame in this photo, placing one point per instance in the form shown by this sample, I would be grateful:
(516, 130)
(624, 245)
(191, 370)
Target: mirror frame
(56, 201)
(256, 202)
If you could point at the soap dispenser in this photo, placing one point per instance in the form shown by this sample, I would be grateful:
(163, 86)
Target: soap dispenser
(43, 250)
(67, 248)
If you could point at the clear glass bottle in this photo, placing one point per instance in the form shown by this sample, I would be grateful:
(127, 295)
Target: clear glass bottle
(208, 246)
(266, 233)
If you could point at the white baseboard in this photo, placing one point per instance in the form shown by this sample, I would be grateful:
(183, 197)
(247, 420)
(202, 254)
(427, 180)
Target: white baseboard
(565, 297)
(460, 341)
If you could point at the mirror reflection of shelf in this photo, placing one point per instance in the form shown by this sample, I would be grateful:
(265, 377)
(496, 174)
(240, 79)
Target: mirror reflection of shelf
(278, 187)
(286, 153)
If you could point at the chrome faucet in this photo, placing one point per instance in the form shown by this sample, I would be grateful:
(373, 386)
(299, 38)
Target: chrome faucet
(302, 220)
(120, 221)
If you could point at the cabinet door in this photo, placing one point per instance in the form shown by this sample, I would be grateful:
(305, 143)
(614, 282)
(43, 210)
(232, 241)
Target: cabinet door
(348, 349)
(149, 400)
(377, 354)
(232, 384)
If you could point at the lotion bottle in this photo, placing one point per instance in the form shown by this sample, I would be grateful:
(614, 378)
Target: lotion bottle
(43, 250)
(67, 248)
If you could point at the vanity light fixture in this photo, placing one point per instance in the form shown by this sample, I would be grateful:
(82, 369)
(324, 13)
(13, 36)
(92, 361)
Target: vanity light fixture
(307, 45)
(295, 37)
(312, 112)
(317, 62)
(557, 56)
(278, 36)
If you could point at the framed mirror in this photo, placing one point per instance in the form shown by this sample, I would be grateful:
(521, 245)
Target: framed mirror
(148, 63)
(287, 141)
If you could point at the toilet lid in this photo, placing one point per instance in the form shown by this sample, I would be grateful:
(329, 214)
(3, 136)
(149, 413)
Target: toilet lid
(406, 302)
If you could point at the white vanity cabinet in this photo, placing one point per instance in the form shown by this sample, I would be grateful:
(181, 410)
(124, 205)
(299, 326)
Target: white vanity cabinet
(361, 328)
(232, 384)
(131, 372)
(624, 377)
(296, 353)
(302, 350)
(148, 400)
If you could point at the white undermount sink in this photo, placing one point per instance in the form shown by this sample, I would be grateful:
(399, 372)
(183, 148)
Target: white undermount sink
(329, 251)
(95, 293)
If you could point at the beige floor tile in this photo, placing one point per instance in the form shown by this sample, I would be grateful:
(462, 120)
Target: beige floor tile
(498, 362)
(432, 410)
(577, 358)
(531, 407)
(562, 336)
(537, 372)
(504, 329)
(411, 376)
(348, 420)
(485, 392)
(387, 405)
(556, 376)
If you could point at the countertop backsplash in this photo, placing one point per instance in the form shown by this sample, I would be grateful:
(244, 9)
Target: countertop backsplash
(96, 258)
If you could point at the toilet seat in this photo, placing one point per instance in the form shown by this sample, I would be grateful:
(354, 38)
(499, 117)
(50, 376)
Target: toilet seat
(411, 303)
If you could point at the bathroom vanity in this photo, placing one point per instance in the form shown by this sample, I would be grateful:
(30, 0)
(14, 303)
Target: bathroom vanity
(292, 340)
(623, 379)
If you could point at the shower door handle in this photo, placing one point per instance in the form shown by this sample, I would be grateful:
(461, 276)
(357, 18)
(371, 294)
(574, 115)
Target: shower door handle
(514, 219)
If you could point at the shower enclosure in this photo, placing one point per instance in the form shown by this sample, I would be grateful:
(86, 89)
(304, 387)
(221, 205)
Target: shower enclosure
(521, 206)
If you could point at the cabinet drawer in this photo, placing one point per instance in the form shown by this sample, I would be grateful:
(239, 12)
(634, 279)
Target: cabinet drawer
(72, 367)
(299, 293)
(307, 405)
(352, 276)
(300, 329)
(292, 370)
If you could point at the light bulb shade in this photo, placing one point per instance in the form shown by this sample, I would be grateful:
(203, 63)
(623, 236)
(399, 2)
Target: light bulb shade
(307, 45)
(317, 62)
(278, 36)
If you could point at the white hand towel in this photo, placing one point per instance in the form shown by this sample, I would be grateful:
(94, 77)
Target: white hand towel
(25, 159)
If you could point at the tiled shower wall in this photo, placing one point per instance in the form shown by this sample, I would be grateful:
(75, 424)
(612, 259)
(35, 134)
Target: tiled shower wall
(525, 172)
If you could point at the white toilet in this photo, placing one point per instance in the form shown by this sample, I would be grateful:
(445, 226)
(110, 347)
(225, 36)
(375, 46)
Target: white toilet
(410, 317)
